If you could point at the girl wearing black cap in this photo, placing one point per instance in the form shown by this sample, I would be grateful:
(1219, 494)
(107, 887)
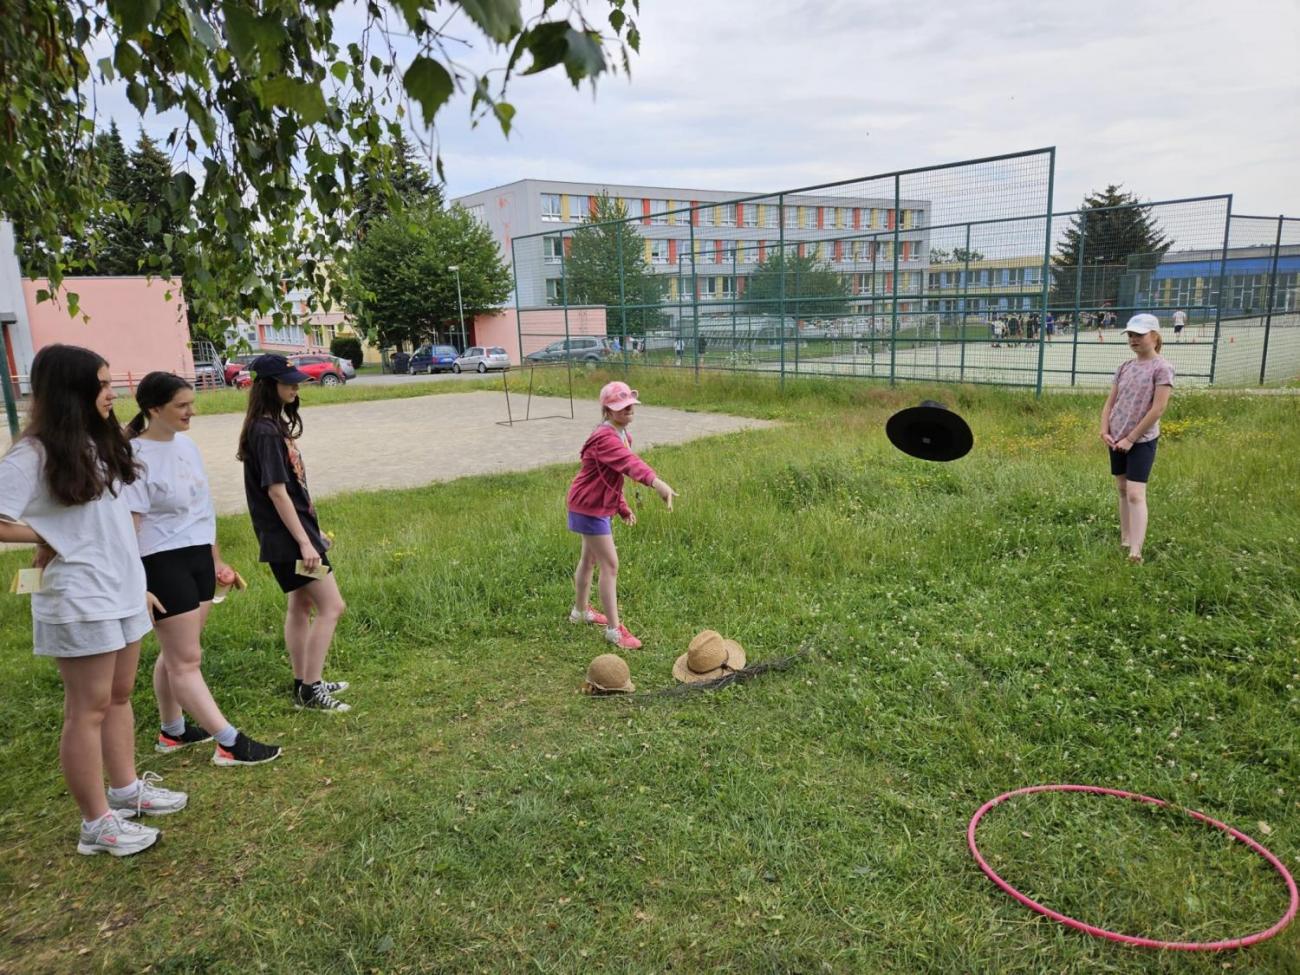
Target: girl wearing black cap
(284, 520)
(177, 528)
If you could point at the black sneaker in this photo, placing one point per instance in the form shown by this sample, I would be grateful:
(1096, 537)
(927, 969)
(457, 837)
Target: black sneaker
(245, 751)
(192, 735)
(316, 697)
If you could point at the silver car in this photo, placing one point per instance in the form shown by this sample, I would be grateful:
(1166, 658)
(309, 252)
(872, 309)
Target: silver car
(481, 358)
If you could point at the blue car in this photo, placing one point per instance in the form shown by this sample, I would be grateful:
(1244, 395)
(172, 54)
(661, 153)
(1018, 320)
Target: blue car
(432, 358)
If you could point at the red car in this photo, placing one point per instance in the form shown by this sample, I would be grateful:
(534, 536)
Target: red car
(323, 369)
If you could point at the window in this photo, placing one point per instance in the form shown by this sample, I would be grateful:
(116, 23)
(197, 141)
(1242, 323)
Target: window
(1032, 275)
(658, 252)
(749, 215)
(729, 252)
(728, 288)
(1006, 276)
(749, 252)
(478, 212)
(770, 216)
(727, 215)
(708, 288)
(706, 216)
(659, 211)
(842, 218)
(552, 250)
(551, 206)
(707, 250)
(809, 218)
(791, 216)
(554, 290)
(579, 209)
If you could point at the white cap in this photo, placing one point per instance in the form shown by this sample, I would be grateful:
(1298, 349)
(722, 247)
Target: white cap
(1141, 324)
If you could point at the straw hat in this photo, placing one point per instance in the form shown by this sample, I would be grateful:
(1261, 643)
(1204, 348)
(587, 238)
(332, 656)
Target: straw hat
(608, 674)
(709, 657)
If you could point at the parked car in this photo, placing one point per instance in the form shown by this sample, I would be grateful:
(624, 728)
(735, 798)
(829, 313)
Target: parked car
(586, 348)
(324, 369)
(432, 358)
(481, 358)
(346, 367)
(236, 364)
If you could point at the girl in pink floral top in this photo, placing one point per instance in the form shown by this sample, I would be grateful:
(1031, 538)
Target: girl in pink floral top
(1130, 426)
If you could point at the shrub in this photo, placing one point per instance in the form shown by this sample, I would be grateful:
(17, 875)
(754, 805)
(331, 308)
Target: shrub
(347, 347)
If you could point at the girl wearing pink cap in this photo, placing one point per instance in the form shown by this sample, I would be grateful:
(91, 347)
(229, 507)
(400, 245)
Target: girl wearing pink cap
(595, 496)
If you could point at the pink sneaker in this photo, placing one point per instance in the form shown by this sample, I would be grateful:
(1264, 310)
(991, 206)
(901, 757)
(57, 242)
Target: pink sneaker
(620, 637)
(588, 615)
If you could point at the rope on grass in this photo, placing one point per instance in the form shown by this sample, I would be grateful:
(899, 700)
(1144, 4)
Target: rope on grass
(1129, 939)
(727, 679)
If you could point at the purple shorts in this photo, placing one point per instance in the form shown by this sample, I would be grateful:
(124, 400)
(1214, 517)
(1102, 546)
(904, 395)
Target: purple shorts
(589, 524)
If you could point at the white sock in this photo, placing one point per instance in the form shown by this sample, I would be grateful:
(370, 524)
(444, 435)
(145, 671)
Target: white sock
(128, 792)
(95, 823)
(226, 736)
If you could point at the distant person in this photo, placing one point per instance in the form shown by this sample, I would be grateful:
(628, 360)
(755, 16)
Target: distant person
(288, 532)
(594, 497)
(1049, 327)
(1180, 322)
(61, 489)
(177, 528)
(678, 348)
(1130, 426)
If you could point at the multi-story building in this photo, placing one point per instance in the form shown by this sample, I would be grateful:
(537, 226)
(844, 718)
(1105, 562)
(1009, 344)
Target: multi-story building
(708, 242)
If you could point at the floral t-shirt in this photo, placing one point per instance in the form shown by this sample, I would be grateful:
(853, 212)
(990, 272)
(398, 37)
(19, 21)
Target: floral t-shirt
(1135, 390)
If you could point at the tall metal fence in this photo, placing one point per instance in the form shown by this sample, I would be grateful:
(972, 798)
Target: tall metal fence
(956, 273)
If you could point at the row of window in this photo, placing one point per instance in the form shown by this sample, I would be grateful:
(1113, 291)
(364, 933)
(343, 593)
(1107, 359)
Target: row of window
(577, 208)
(1007, 277)
(754, 252)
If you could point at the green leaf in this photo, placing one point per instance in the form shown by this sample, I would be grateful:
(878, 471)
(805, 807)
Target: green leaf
(303, 99)
(138, 95)
(505, 113)
(339, 70)
(127, 59)
(428, 83)
(500, 19)
(585, 58)
(202, 29)
(105, 69)
(74, 303)
(240, 32)
(548, 45)
(616, 19)
(135, 16)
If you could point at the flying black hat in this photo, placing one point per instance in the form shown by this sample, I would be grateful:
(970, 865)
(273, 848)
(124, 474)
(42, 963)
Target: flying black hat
(930, 431)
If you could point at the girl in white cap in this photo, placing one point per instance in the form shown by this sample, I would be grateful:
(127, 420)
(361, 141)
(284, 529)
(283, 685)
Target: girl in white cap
(1130, 426)
(595, 496)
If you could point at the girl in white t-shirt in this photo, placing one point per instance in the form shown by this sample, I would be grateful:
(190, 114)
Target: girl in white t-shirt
(177, 528)
(61, 488)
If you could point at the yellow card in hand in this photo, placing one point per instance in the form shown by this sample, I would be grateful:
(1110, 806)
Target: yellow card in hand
(27, 581)
(320, 572)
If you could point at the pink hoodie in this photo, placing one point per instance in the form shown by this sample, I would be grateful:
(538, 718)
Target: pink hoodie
(598, 488)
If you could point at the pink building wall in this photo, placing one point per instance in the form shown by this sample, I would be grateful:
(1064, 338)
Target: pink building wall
(541, 327)
(133, 323)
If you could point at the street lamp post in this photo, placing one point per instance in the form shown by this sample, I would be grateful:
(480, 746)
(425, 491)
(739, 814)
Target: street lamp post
(460, 305)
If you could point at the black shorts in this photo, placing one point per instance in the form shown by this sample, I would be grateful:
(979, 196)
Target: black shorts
(290, 580)
(1136, 464)
(181, 578)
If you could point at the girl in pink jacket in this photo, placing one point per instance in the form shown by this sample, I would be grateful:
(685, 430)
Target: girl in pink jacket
(595, 496)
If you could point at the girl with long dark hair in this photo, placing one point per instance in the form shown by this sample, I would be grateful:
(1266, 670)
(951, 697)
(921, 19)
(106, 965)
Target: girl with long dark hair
(61, 488)
(288, 532)
(177, 528)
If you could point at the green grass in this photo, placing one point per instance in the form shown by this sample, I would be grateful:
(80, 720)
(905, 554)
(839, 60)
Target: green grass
(236, 400)
(973, 628)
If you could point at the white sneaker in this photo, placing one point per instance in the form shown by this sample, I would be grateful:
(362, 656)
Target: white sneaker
(149, 799)
(116, 836)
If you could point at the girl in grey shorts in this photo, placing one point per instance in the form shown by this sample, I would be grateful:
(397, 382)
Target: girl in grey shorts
(92, 609)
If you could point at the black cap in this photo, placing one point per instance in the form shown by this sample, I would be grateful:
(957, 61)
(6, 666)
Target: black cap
(277, 367)
(930, 431)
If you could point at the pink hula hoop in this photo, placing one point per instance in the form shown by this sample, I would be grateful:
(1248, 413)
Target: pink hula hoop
(1129, 939)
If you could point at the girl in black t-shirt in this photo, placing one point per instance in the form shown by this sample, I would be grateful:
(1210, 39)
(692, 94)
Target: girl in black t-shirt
(284, 520)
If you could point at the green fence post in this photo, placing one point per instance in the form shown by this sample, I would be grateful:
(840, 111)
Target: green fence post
(735, 291)
(893, 314)
(622, 299)
(1077, 319)
(695, 303)
(11, 404)
(961, 318)
(1047, 267)
(1223, 275)
(780, 285)
(1272, 294)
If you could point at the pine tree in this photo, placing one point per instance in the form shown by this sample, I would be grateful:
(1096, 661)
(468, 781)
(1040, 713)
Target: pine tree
(1112, 235)
(115, 249)
(812, 287)
(592, 270)
(403, 181)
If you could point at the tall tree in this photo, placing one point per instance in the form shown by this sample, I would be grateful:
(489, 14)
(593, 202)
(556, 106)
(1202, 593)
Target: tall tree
(606, 265)
(403, 181)
(1112, 235)
(401, 284)
(278, 115)
(812, 288)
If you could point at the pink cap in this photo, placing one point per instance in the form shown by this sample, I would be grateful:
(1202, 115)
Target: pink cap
(617, 396)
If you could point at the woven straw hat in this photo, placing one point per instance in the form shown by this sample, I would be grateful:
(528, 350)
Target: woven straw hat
(709, 657)
(609, 674)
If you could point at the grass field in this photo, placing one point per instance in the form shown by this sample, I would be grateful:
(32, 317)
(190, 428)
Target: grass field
(971, 628)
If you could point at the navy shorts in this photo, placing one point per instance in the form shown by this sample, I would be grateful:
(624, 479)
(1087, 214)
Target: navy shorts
(1136, 464)
(181, 578)
(288, 579)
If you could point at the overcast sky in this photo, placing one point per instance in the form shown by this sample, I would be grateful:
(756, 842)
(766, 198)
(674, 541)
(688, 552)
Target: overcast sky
(1170, 98)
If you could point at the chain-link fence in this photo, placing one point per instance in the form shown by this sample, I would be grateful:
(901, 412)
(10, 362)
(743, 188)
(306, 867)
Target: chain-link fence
(957, 273)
